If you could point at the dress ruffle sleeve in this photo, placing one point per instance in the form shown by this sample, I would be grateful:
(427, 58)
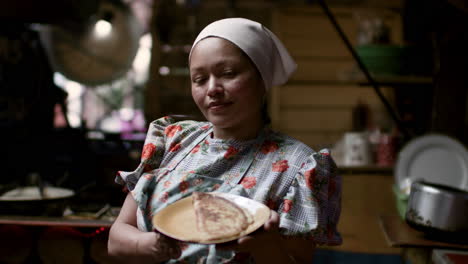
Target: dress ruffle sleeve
(312, 205)
(151, 155)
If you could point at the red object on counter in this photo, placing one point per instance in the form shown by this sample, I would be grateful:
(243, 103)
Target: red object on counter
(386, 150)
(444, 256)
(457, 258)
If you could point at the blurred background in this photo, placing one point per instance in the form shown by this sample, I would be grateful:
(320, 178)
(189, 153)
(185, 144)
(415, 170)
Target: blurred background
(81, 80)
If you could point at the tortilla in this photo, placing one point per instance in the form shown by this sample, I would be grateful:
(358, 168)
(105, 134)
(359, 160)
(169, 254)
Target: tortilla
(218, 218)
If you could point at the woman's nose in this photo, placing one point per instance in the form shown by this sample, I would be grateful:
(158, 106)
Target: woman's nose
(214, 87)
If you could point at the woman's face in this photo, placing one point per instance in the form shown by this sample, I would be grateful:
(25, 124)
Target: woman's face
(226, 86)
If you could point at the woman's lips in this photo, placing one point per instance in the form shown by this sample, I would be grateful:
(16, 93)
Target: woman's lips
(217, 106)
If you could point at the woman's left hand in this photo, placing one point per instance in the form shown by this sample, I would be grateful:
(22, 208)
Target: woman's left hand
(263, 243)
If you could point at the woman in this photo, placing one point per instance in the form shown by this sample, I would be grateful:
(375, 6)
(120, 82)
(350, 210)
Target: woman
(233, 63)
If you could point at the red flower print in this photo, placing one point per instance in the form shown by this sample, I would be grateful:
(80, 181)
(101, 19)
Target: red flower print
(269, 146)
(163, 197)
(183, 246)
(196, 149)
(183, 186)
(167, 184)
(148, 151)
(310, 178)
(174, 147)
(170, 131)
(280, 166)
(249, 182)
(205, 127)
(287, 205)
(148, 176)
(230, 152)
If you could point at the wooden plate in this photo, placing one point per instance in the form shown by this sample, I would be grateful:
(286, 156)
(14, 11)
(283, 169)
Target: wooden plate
(178, 219)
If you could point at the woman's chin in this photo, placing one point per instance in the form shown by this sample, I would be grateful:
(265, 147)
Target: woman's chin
(219, 122)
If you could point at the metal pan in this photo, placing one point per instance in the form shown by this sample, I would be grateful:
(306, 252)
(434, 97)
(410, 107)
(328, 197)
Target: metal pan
(438, 210)
(29, 201)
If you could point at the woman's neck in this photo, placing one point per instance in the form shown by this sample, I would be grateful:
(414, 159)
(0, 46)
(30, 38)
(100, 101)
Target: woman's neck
(238, 133)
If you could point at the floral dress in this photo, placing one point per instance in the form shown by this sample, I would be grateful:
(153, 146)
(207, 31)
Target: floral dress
(179, 158)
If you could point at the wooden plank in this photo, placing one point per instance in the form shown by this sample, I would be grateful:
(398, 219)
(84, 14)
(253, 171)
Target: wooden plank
(362, 203)
(324, 119)
(311, 21)
(328, 45)
(316, 140)
(315, 36)
(321, 69)
(308, 24)
(325, 95)
(316, 120)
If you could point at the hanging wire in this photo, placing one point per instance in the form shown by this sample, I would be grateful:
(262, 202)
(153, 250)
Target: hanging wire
(365, 71)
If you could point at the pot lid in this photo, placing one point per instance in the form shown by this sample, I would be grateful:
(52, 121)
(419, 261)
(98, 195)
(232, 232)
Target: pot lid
(31, 193)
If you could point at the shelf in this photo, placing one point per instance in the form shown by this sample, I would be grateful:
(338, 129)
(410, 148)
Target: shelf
(371, 169)
(382, 81)
(399, 234)
(53, 221)
(399, 80)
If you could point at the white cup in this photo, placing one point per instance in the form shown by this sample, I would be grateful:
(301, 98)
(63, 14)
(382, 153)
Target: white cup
(357, 149)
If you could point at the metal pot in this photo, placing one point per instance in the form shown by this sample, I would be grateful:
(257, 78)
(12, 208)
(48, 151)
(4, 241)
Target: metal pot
(28, 201)
(438, 210)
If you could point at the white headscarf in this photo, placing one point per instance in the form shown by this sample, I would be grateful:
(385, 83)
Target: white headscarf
(265, 50)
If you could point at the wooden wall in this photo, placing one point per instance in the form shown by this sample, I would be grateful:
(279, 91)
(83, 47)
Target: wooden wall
(366, 197)
(316, 105)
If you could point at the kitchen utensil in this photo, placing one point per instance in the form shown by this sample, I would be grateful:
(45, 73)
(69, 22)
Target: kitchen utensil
(384, 59)
(178, 219)
(432, 158)
(438, 210)
(29, 201)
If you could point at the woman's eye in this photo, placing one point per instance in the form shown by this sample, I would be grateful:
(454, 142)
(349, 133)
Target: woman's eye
(198, 80)
(229, 73)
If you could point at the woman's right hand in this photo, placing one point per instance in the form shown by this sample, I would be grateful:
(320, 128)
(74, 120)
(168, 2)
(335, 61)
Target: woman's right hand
(130, 245)
(156, 247)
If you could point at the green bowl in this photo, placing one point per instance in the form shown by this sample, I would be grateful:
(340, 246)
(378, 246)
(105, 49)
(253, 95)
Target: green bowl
(401, 201)
(383, 59)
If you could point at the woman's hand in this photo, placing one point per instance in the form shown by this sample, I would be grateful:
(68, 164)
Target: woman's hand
(155, 247)
(130, 245)
(265, 245)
